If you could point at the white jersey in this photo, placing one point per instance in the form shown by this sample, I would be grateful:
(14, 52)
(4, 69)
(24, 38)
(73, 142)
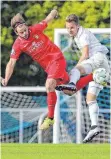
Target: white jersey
(85, 37)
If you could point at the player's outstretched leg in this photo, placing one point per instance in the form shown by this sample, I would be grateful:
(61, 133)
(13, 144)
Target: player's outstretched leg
(71, 88)
(91, 134)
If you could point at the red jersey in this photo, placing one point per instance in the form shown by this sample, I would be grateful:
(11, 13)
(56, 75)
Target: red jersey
(38, 46)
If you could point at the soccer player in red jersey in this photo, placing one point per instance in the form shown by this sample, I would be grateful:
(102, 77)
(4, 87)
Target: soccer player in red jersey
(36, 44)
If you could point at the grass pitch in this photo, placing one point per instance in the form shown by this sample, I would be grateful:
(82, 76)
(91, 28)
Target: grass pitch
(55, 151)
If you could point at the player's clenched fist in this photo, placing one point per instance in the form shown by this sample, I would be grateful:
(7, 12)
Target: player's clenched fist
(3, 81)
(54, 13)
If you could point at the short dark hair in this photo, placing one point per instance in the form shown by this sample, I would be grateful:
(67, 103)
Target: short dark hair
(72, 18)
(16, 20)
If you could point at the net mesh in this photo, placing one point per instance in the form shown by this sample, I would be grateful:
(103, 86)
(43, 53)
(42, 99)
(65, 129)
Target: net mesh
(10, 126)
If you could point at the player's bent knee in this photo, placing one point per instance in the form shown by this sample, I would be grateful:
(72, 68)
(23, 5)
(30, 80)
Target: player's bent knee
(94, 89)
(50, 85)
(90, 97)
(91, 102)
(81, 69)
(87, 68)
(50, 88)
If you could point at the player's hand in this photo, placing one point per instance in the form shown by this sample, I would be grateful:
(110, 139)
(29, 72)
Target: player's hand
(54, 13)
(70, 93)
(3, 81)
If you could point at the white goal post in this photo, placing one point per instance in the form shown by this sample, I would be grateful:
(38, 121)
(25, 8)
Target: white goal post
(56, 127)
(58, 32)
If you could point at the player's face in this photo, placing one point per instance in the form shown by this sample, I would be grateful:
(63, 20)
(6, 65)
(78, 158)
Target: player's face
(72, 28)
(22, 31)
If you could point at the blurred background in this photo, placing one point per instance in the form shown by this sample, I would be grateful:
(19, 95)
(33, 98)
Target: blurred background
(22, 112)
(92, 14)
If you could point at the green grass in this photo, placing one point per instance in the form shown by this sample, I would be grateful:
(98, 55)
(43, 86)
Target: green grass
(55, 151)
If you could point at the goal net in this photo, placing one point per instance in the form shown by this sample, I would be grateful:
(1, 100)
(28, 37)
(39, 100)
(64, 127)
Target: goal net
(23, 109)
(21, 113)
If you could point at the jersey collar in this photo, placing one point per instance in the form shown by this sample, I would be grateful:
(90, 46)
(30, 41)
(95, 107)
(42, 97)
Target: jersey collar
(80, 30)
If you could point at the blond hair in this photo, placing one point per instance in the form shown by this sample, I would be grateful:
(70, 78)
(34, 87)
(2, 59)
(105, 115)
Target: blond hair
(16, 20)
(72, 18)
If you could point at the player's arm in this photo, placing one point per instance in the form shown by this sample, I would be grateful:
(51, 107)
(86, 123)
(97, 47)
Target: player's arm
(43, 24)
(51, 16)
(9, 71)
(85, 54)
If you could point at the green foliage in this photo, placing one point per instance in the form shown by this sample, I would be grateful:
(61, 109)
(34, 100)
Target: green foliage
(92, 14)
(6, 38)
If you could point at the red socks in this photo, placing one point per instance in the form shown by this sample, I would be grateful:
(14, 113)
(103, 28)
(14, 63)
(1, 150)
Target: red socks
(51, 101)
(84, 81)
(52, 98)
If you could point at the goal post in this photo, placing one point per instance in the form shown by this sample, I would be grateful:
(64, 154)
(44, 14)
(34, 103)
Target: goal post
(56, 127)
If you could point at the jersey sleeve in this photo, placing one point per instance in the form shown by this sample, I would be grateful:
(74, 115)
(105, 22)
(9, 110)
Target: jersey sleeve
(40, 26)
(15, 52)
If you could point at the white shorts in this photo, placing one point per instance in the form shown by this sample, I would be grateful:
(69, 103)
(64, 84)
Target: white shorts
(98, 60)
(94, 88)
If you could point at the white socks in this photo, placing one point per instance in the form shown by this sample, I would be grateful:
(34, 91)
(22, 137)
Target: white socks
(74, 75)
(93, 112)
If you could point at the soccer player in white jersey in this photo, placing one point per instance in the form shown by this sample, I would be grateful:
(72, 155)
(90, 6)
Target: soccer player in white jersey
(93, 57)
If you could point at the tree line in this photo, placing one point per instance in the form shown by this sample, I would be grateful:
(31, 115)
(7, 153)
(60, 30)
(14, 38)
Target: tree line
(92, 14)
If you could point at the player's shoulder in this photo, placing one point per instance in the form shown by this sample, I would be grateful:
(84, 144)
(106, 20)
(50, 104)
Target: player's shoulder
(39, 26)
(33, 27)
(82, 33)
(85, 31)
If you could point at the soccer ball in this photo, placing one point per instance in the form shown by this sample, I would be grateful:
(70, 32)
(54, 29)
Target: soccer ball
(101, 76)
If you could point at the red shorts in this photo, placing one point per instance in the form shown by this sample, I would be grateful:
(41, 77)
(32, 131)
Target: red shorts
(57, 70)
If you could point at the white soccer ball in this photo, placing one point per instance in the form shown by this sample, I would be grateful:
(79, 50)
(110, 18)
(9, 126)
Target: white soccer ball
(101, 76)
